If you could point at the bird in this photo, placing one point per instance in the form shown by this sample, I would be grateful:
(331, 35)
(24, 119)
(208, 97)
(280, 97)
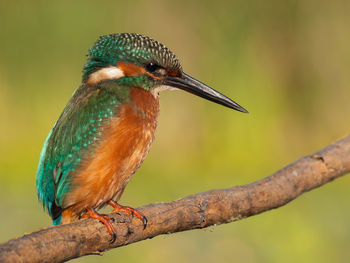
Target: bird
(106, 129)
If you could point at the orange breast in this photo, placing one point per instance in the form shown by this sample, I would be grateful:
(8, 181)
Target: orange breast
(124, 145)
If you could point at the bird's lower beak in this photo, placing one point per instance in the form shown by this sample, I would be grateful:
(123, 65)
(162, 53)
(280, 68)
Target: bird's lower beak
(189, 84)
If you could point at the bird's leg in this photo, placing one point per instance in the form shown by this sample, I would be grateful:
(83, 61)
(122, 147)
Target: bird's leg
(103, 219)
(128, 210)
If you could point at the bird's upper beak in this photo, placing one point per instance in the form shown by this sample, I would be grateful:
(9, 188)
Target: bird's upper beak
(189, 84)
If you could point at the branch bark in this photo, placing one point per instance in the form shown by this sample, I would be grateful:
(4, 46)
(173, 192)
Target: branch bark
(61, 243)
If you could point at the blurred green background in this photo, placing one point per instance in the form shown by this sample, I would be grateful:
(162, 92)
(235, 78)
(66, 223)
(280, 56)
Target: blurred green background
(287, 62)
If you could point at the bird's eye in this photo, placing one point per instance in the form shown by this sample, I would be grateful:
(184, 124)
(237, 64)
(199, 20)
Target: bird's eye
(152, 67)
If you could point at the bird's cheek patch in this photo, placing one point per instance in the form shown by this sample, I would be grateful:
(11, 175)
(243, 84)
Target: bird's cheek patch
(130, 69)
(104, 74)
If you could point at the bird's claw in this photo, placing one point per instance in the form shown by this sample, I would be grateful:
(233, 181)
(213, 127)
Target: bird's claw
(128, 210)
(104, 219)
(113, 238)
(144, 221)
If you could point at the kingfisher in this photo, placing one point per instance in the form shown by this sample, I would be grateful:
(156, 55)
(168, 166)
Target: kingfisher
(105, 131)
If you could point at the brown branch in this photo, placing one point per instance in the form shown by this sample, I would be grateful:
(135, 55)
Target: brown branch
(61, 243)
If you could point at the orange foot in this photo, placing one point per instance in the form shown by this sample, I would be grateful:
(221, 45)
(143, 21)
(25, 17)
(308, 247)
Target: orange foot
(128, 210)
(103, 219)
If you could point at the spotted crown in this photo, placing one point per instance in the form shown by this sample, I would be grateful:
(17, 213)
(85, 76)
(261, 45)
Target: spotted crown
(133, 48)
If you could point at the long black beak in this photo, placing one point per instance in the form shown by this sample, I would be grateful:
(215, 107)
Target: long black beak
(189, 84)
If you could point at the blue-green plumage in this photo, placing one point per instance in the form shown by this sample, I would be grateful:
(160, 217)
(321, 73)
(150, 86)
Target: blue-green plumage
(131, 48)
(73, 138)
(117, 65)
(81, 123)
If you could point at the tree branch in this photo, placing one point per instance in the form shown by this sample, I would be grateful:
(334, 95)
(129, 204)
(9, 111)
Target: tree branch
(61, 243)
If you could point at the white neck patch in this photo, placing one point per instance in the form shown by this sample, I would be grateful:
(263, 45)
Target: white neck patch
(105, 74)
(158, 89)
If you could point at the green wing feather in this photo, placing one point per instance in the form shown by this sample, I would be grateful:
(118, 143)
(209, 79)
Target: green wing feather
(73, 138)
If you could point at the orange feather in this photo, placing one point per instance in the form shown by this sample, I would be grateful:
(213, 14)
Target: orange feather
(123, 147)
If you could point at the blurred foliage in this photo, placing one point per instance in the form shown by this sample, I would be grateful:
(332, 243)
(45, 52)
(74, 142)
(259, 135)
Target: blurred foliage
(287, 62)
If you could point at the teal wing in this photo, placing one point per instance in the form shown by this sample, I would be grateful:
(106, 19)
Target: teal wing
(73, 138)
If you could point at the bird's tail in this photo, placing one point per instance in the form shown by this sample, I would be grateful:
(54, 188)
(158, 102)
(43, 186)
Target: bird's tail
(57, 220)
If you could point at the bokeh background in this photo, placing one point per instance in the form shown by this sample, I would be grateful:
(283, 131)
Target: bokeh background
(287, 62)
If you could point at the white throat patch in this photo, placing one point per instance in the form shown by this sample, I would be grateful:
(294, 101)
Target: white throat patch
(158, 89)
(105, 74)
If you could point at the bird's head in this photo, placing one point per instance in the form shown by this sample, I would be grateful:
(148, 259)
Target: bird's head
(136, 60)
